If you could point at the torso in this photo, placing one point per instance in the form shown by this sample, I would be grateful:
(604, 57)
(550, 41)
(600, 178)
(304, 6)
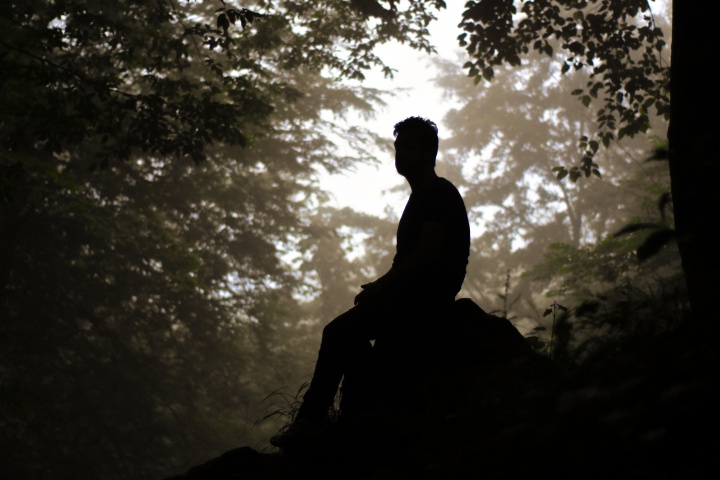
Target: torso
(438, 202)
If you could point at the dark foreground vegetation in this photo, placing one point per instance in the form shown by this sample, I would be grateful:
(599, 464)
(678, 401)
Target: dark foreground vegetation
(639, 406)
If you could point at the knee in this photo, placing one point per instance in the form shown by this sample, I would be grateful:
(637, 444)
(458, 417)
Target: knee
(341, 327)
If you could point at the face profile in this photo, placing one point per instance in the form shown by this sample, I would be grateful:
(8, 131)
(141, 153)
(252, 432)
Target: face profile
(409, 156)
(416, 146)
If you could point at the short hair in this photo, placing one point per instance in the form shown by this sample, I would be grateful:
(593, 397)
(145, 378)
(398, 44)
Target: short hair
(420, 130)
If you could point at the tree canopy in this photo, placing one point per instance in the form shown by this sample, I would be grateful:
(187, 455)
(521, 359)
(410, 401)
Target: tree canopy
(540, 239)
(619, 43)
(157, 166)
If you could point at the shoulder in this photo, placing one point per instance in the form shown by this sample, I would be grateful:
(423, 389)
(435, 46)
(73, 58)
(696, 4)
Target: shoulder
(445, 188)
(440, 192)
(439, 185)
(446, 184)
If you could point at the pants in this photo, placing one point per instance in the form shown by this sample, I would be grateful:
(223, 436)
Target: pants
(345, 348)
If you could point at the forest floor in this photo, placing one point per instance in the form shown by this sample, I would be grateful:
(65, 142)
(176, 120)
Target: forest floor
(637, 408)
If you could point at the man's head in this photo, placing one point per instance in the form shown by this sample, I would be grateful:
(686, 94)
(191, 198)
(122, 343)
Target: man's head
(416, 145)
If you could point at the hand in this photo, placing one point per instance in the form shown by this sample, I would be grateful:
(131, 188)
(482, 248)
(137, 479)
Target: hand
(370, 292)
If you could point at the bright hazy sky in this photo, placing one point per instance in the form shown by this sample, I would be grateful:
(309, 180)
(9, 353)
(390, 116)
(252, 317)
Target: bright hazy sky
(364, 189)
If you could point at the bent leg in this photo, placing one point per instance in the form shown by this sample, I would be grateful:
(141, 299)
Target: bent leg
(345, 345)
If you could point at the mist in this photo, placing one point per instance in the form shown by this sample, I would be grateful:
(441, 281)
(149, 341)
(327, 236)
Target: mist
(177, 229)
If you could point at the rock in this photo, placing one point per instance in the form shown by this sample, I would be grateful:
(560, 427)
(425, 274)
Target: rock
(240, 463)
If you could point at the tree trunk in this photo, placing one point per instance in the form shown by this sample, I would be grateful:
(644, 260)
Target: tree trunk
(694, 165)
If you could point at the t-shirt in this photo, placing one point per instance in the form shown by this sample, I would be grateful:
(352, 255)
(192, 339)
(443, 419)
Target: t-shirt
(437, 202)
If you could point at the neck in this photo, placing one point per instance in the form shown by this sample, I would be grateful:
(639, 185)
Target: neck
(421, 180)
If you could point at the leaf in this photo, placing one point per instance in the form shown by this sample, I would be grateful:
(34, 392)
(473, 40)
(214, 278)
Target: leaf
(547, 312)
(659, 154)
(223, 22)
(534, 342)
(577, 48)
(561, 172)
(655, 241)
(635, 227)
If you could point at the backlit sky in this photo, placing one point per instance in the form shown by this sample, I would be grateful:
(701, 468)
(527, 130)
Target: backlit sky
(364, 189)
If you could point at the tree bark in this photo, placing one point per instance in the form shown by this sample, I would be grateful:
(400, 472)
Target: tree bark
(693, 156)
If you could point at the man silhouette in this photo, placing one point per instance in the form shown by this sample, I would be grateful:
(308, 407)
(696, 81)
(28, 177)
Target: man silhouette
(432, 250)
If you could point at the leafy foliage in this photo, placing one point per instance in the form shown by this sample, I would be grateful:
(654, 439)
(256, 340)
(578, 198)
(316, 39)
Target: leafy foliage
(642, 404)
(503, 141)
(619, 42)
(628, 285)
(155, 171)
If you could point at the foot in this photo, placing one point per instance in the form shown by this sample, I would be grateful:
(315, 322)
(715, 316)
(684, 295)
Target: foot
(298, 431)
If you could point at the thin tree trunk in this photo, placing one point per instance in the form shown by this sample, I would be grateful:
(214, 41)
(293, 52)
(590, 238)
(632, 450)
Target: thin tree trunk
(694, 147)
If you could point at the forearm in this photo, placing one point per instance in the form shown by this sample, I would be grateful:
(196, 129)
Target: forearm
(405, 272)
(401, 274)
